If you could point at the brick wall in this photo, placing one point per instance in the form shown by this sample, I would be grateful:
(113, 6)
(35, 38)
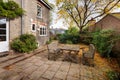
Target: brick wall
(110, 22)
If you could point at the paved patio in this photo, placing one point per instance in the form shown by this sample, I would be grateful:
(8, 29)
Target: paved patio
(38, 67)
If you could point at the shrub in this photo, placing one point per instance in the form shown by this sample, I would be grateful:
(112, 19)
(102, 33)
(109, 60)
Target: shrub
(69, 42)
(104, 41)
(112, 75)
(25, 43)
(86, 38)
(49, 41)
(70, 35)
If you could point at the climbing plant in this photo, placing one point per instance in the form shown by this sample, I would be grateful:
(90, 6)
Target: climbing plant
(10, 9)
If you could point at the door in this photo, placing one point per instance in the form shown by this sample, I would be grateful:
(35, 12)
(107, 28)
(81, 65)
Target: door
(4, 37)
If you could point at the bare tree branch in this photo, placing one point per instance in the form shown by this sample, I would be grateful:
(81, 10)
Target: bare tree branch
(83, 11)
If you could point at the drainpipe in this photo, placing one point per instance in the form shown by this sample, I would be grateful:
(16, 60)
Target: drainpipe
(22, 19)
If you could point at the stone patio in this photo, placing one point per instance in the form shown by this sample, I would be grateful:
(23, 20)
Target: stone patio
(38, 67)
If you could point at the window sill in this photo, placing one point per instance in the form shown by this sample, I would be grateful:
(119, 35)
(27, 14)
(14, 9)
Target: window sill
(43, 35)
(33, 31)
(39, 17)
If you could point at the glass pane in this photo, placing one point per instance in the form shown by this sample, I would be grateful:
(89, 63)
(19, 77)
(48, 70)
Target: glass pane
(2, 31)
(41, 31)
(39, 11)
(45, 31)
(33, 27)
(2, 21)
(2, 26)
(2, 38)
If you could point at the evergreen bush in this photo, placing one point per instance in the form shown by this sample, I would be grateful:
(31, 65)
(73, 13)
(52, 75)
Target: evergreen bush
(104, 41)
(25, 43)
(113, 75)
(70, 36)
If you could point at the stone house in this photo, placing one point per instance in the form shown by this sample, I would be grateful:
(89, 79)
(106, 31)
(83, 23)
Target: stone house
(110, 21)
(35, 21)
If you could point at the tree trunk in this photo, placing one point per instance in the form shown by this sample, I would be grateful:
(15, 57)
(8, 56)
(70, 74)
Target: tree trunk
(80, 29)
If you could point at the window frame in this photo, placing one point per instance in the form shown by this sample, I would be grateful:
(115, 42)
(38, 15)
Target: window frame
(43, 30)
(39, 16)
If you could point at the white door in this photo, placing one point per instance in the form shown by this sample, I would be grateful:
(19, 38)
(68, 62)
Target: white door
(4, 37)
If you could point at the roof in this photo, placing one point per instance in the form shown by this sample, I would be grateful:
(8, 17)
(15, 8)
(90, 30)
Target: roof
(117, 15)
(45, 3)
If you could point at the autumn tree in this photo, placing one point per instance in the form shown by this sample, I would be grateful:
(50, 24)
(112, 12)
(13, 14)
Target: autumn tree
(82, 11)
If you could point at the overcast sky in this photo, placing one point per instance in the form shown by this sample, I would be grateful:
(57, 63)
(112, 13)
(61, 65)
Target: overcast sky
(56, 23)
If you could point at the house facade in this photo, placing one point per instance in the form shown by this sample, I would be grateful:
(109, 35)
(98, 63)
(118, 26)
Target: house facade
(35, 21)
(112, 22)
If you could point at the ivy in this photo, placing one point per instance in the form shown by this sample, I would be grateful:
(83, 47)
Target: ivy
(10, 9)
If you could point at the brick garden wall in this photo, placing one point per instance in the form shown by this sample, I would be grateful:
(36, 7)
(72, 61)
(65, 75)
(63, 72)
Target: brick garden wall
(110, 22)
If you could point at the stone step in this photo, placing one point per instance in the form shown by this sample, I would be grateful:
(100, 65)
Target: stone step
(21, 57)
(3, 54)
(9, 57)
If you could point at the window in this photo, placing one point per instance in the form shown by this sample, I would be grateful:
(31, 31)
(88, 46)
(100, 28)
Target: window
(3, 30)
(33, 27)
(43, 31)
(39, 11)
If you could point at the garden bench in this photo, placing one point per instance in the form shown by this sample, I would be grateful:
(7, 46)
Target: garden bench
(88, 56)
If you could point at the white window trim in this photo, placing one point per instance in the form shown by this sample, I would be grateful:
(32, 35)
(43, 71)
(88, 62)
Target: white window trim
(41, 11)
(45, 31)
(32, 27)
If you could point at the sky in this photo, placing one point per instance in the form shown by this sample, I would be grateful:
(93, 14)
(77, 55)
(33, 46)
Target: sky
(55, 22)
(59, 23)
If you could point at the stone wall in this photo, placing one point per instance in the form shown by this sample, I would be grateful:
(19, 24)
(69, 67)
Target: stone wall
(23, 24)
(14, 28)
(15, 25)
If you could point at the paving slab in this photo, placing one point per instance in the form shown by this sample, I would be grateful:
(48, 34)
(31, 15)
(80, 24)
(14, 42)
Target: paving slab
(30, 69)
(64, 68)
(38, 67)
(61, 75)
(48, 75)
(2, 70)
(36, 75)
(39, 63)
(73, 72)
(54, 68)
(72, 78)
